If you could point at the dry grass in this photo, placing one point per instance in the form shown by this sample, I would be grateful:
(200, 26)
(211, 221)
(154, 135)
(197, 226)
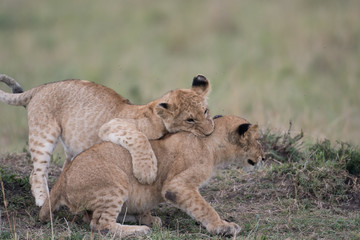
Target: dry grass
(302, 192)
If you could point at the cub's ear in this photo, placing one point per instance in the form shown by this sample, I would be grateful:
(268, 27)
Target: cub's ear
(242, 133)
(164, 105)
(238, 135)
(201, 85)
(164, 110)
(247, 128)
(243, 128)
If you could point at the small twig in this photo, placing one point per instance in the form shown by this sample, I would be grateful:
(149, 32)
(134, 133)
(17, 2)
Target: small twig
(31, 217)
(177, 227)
(254, 230)
(5, 205)
(234, 237)
(123, 221)
(14, 227)
(51, 219)
(278, 162)
(92, 234)
(68, 227)
(290, 126)
(73, 220)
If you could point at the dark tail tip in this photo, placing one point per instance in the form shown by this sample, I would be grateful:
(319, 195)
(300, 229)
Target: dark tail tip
(15, 86)
(17, 89)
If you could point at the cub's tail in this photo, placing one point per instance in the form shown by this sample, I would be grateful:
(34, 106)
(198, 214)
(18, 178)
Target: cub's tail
(14, 85)
(18, 97)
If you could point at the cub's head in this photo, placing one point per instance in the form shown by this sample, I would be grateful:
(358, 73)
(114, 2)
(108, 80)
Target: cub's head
(187, 109)
(242, 140)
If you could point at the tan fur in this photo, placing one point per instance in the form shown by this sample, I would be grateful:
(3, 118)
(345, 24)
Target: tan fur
(74, 111)
(108, 187)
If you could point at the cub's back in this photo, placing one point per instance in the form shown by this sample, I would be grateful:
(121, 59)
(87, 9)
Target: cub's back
(76, 94)
(79, 108)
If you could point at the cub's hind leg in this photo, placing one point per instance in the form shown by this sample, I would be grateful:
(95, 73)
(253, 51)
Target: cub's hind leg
(53, 201)
(107, 209)
(42, 141)
(125, 133)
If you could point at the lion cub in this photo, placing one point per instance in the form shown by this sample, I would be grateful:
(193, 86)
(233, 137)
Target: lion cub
(75, 110)
(108, 187)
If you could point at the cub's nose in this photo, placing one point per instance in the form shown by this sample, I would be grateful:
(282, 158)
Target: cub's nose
(251, 162)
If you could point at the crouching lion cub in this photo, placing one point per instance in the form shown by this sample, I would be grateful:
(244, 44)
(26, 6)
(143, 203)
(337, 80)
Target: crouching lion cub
(108, 187)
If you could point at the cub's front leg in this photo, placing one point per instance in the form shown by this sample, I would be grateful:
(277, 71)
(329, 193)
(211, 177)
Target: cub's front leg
(125, 133)
(190, 201)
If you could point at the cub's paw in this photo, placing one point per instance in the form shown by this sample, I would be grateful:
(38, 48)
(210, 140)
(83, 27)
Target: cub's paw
(150, 221)
(145, 169)
(143, 230)
(38, 188)
(40, 200)
(156, 222)
(44, 215)
(225, 228)
(145, 176)
(131, 231)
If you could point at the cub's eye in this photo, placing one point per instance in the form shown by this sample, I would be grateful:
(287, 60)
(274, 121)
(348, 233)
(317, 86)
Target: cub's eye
(190, 120)
(206, 111)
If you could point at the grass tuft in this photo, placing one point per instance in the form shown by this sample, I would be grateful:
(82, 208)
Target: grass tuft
(320, 173)
(283, 147)
(344, 155)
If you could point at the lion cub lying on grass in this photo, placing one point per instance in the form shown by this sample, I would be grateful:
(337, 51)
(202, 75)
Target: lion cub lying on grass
(108, 187)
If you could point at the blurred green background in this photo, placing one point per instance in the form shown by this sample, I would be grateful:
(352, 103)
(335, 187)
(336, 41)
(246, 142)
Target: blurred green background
(268, 61)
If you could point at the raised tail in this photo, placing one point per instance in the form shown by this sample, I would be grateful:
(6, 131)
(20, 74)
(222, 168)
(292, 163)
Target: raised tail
(18, 97)
(14, 85)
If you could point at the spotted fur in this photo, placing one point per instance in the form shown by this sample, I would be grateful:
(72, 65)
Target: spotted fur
(74, 111)
(108, 187)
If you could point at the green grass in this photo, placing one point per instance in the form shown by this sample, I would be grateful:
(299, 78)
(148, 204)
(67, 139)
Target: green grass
(268, 61)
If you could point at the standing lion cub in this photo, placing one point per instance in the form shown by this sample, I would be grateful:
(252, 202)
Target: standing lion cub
(75, 110)
(100, 180)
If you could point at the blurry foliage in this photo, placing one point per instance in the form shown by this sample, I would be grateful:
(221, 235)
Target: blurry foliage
(344, 155)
